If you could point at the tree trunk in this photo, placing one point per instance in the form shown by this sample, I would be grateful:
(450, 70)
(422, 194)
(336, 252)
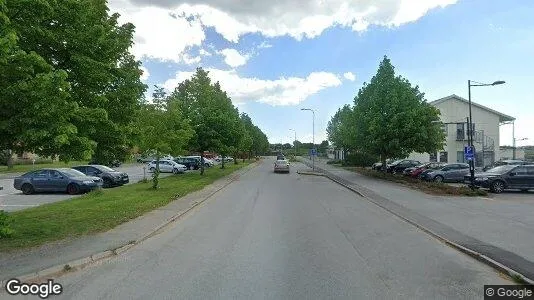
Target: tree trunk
(236, 158)
(10, 160)
(155, 175)
(384, 166)
(222, 162)
(201, 162)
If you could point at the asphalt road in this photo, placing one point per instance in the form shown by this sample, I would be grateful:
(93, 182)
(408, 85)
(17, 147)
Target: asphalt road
(13, 200)
(285, 236)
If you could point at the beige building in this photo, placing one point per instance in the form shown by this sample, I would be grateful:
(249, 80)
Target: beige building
(507, 152)
(486, 121)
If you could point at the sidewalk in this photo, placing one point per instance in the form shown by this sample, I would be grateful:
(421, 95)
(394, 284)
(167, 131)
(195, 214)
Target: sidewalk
(500, 230)
(24, 262)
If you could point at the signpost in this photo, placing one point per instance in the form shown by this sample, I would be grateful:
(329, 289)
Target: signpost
(469, 153)
(314, 152)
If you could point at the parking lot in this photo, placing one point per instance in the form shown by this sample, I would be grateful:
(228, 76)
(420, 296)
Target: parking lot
(13, 200)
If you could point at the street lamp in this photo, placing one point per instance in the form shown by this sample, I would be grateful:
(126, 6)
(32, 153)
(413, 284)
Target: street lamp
(313, 135)
(514, 147)
(471, 83)
(295, 141)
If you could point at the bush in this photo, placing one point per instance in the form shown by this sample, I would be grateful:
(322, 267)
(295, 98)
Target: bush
(360, 159)
(334, 162)
(5, 229)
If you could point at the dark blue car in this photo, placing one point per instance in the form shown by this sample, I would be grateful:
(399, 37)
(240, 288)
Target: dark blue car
(56, 180)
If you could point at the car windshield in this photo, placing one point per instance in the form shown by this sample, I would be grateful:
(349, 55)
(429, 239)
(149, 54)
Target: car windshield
(396, 162)
(501, 169)
(106, 169)
(71, 172)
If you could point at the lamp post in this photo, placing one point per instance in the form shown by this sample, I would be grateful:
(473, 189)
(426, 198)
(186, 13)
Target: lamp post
(471, 83)
(295, 141)
(313, 135)
(514, 147)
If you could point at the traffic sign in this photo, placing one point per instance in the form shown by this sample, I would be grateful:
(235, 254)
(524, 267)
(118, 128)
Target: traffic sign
(469, 153)
(313, 152)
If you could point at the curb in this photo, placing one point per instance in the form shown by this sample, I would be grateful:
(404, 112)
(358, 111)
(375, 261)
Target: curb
(476, 255)
(81, 263)
(311, 173)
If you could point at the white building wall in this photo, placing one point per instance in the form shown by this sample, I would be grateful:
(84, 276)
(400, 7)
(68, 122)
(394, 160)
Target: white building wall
(457, 111)
(507, 153)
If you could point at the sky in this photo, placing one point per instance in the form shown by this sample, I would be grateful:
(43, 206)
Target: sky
(276, 57)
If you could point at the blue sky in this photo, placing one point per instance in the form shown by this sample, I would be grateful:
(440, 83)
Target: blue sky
(272, 66)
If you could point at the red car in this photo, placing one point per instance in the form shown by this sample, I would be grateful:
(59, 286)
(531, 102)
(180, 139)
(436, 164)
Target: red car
(421, 168)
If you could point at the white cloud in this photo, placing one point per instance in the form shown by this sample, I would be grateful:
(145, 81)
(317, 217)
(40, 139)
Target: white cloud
(145, 75)
(158, 33)
(279, 92)
(233, 58)
(349, 76)
(187, 59)
(204, 52)
(264, 45)
(297, 18)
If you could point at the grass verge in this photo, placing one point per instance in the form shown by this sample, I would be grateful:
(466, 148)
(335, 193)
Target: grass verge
(434, 188)
(101, 210)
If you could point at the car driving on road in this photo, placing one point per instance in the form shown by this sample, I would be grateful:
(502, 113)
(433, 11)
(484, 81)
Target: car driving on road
(56, 180)
(281, 165)
(167, 166)
(504, 177)
(110, 177)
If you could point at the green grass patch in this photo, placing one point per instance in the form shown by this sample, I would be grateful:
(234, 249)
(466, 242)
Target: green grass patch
(434, 188)
(101, 210)
(23, 168)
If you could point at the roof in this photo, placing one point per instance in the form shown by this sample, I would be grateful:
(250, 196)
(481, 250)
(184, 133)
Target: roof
(502, 117)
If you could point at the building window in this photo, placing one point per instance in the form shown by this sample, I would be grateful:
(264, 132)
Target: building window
(460, 131)
(433, 157)
(443, 157)
(460, 157)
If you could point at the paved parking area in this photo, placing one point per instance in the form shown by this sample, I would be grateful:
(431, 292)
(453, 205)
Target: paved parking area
(509, 195)
(13, 200)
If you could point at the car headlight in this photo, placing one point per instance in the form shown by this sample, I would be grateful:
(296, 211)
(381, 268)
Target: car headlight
(87, 182)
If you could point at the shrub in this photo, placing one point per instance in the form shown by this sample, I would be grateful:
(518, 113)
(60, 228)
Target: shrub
(5, 229)
(333, 162)
(360, 159)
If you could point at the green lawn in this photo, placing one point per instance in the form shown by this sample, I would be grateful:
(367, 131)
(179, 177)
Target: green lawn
(27, 168)
(102, 210)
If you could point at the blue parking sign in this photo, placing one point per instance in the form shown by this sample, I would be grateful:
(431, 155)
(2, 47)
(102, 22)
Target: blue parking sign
(313, 152)
(469, 152)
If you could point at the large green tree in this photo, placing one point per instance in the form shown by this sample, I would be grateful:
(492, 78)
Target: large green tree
(162, 129)
(82, 39)
(36, 111)
(392, 117)
(341, 129)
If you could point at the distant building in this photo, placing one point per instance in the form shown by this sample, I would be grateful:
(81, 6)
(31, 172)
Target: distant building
(507, 152)
(486, 121)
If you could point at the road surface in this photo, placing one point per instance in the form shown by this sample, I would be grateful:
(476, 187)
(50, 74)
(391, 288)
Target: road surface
(285, 236)
(13, 200)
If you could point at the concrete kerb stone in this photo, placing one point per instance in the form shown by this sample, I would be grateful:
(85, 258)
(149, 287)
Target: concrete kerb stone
(84, 262)
(478, 256)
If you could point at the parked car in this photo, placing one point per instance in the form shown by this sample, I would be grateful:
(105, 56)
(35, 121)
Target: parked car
(167, 166)
(417, 170)
(56, 180)
(281, 165)
(504, 177)
(399, 165)
(378, 165)
(189, 162)
(207, 162)
(110, 177)
(514, 162)
(448, 173)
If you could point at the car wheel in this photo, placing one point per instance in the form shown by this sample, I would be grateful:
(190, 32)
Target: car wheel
(27, 189)
(152, 169)
(438, 178)
(190, 167)
(73, 189)
(497, 186)
(107, 183)
(176, 171)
